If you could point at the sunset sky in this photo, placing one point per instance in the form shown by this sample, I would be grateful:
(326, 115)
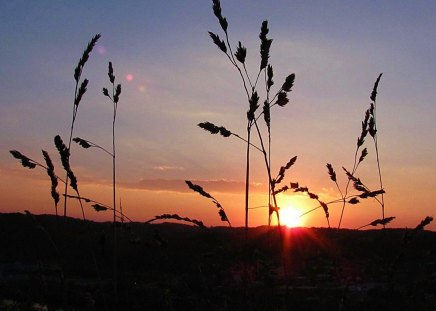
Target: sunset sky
(174, 77)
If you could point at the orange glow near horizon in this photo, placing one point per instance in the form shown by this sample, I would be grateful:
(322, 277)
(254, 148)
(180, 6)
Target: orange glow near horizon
(291, 209)
(290, 217)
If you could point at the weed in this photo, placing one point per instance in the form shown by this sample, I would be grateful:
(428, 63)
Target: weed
(201, 191)
(237, 59)
(78, 94)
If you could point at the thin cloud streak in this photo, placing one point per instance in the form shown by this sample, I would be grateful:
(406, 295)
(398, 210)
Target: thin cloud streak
(168, 168)
(179, 185)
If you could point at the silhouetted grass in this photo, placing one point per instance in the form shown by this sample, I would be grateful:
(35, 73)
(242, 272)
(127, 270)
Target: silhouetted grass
(238, 60)
(176, 217)
(216, 270)
(80, 90)
(31, 164)
(200, 190)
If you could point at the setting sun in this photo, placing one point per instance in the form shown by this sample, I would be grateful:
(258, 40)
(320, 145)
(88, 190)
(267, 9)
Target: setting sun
(290, 217)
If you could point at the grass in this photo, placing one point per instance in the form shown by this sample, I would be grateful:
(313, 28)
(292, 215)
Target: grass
(250, 87)
(220, 270)
(79, 91)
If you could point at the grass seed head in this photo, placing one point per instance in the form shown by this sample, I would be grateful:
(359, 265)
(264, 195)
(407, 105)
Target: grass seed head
(210, 127)
(241, 53)
(99, 208)
(265, 45)
(289, 83)
(64, 152)
(225, 132)
(270, 74)
(282, 189)
(363, 155)
(198, 189)
(354, 201)
(325, 208)
(282, 99)
(332, 172)
(117, 93)
(254, 104)
(374, 90)
(218, 42)
(25, 161)
(81, 92)
(427, 220)
(85, 57)
(294, 185)
(111, 73)
(267, 114)
(283, 169)
(82, 142)
(177, 217)
(53, 177)
(372, 127)
(217, 11)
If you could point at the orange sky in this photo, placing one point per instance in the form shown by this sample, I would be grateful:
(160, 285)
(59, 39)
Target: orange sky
(173, 77)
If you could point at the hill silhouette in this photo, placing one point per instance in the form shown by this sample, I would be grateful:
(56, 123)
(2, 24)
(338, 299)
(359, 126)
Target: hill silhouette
(67, 263)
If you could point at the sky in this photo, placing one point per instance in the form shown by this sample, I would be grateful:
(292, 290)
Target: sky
(173, 77)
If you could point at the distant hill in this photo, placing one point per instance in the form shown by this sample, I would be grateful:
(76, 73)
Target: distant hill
(68, 263)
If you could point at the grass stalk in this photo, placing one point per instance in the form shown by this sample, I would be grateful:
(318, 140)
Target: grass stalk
(114, 98)
(373, 132)
(79, 91)
(253, 98)
(247, 179)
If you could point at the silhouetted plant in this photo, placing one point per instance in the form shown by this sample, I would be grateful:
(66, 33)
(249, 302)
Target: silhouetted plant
(297, 188)
(53, 179)
(64, 153)
(31, 164)
(200, 190)
(377, 222)
(114, 97)
(373, 132)
(237, 59)
(178, 218)
(100, 207)
(80, 90)
(368, 127)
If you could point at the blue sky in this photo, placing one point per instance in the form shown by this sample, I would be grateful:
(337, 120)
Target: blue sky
(335, 48)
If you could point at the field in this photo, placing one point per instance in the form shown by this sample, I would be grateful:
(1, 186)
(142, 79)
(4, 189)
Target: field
(67, 264)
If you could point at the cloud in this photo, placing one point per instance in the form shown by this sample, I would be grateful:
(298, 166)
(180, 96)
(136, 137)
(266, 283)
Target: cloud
(179, 185)
(168, 168)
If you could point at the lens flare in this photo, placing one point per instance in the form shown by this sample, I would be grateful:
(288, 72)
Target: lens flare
(101, 50)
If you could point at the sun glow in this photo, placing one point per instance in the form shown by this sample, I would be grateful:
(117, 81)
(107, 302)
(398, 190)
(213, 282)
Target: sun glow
(291, 209)
(290, 217)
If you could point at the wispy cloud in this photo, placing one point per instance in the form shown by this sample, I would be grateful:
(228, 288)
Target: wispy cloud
(179, 185)
(168, 168)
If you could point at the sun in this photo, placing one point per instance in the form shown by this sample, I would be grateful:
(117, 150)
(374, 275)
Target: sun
(290, 217)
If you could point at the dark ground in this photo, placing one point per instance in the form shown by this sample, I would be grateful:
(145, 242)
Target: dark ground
(66, 264)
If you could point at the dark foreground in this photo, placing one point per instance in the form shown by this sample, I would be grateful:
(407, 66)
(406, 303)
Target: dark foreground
(50, 264)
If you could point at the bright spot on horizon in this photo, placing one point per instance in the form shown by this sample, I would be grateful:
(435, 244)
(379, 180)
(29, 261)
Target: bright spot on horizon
(290, 217)
(129, 77)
